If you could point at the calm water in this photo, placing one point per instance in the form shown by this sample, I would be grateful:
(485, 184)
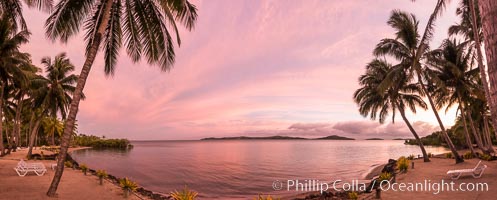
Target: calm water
(238, 169)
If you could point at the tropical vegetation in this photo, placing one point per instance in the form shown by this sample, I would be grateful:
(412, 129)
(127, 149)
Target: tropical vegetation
(450, 76)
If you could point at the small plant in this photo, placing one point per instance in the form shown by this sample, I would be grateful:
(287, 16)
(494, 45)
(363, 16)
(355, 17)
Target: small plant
(127, 186)
(410, 157)
(68, 164)
(486, 157)
(353, 195)
(101, 174)
(448, 155)
(187, 194)
(385, 176)
(430, 155)
(403, 164)
(268, 197)
(84, 168)
(468, 155)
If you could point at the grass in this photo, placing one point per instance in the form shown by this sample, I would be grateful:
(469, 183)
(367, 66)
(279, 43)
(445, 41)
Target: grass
(449, 155)
(486, 157)
(468, 155)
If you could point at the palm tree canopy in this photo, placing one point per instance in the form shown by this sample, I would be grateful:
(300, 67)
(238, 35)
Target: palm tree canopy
(13, 10)
(55, 90)
(11, 59)
(143, 24)
(399, 96)
(450, 69)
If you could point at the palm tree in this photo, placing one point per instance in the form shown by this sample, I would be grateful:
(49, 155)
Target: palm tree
(13, 10)
(488, 11)
(398, 96)
(410, 50)
(145, 27)
(10, 59)
(456, 82)
(470, 29)
(57, 87)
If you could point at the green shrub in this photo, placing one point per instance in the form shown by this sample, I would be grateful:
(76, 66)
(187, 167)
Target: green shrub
(101, 174)
(403, 164)
(468, 155)
(127, 184)
(410, 157)
(449, 155)
(187, 194)
(83, 168)
(353, 195)
(486, 157)
(430, 155)
(385, 176)
(68, 164)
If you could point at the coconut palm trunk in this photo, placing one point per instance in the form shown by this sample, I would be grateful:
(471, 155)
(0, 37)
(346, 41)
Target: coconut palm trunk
(483, 74)
(446, 137)
(34, 134)
(2, 148)
(476, 134)
(423, 45)
(487, 130)
(17, 123)
(421, 146)
(73, 109)
(488, 12)
(467, 136)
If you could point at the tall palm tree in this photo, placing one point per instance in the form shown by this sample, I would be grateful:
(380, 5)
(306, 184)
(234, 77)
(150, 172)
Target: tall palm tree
(145, 26)
(488, 13)
(456, 82)
(470, 29)
(397, 97)
(13, 10)
(10, 59)
(410, 50)
(57, 87)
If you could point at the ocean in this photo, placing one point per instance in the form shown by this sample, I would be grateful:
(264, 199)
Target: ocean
(243, 169)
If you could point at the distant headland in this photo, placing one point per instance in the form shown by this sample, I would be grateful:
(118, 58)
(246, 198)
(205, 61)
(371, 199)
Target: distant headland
(278, 137)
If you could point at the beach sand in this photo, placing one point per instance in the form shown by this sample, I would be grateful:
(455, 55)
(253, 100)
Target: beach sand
(436, 171)
(73, 185)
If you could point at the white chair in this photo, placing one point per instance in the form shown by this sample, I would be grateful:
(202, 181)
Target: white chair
(476, 172)
(23, 168)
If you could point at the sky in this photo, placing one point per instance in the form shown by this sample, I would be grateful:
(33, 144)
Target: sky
(255, 68)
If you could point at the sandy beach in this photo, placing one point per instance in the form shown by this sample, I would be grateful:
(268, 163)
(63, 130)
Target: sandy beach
(74, 184)
(436, 172)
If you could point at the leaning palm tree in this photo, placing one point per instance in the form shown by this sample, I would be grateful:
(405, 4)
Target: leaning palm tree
(10, 60)
(456, 82)
(410, 50)
(143, 24)
(397, 97)
(57, 87)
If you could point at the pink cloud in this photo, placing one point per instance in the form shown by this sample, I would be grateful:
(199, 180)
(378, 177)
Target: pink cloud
(249, 66)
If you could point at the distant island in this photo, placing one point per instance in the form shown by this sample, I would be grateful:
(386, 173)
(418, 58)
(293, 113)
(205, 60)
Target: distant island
(278, 137)
(375, 139)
